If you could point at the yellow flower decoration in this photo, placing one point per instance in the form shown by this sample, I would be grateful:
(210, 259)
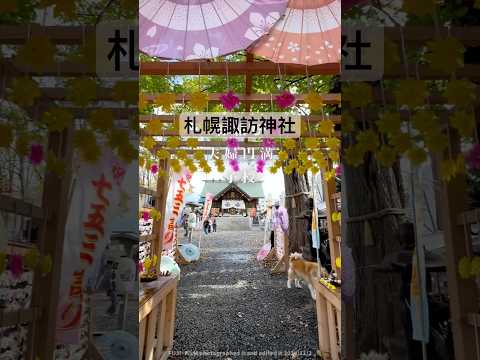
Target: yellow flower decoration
(334, 155)
(57, 119)
(101, 120)
(289, 144)
(389, 123)
(411, 93)
(84, 138)
(176, 168)
(293, 163)
(318, 155)
(6, 135)
(465, 267)
(448, 169)
(386, 156)
(82, 91)
(166, 100)
(419, 8)
(326, 127)
(336, 216)
(322, 163)
(348, 122)
(354, 155)
(283, 155)
(37, 53)
(461, 169)
(187, 162)
(329, 174)
(446, 55)
(302, 156)
(22, 144)
(192, 143)
(314, 101)
(301, 170)
(163, 154)
(31, 258)
(273, 169)
(436, 141)
(401, 142)
(46, 265)
(198, 101)
(288, 170)
(417, 155)
(126, 91)
(358, 94)
(203, 163)
(460, 92)
(92, 153)
(24, 91)
(192, 168)
(182, 154)
(425, 121)
(117, 138)
(55, 165)
(338, 262)
(127, 152)
(314, 170)
(199, 155)
(155, 214)
(475, 266)
(333, 143)
(173, 142)
(149, 142)
(368, 140)
(311, 143)
(154, 127)
(464, 122)
(278, 163)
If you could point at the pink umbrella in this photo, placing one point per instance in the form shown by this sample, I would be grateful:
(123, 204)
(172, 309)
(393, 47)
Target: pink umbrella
(264, 251)
(309, 34)
(203, 29)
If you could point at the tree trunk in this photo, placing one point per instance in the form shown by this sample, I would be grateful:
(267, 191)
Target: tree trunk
(296, 185)
(377, 305)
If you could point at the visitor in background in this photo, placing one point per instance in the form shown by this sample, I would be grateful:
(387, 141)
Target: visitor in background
(192, 222)
(280, 217)
(184, 222)
(206, 226)
(214, 223)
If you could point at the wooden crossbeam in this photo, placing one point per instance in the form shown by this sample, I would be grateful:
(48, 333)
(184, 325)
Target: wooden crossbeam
(234, 68)
(168, 119)
(261, 98)
(421, 34)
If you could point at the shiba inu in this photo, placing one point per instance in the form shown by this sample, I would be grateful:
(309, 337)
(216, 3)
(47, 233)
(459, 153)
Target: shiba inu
(307, 271)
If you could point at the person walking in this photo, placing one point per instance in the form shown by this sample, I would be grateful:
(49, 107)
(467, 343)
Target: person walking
(192, 222)
(206, 226)
(214, 223)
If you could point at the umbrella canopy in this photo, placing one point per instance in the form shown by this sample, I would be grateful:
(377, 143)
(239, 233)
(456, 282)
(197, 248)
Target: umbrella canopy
(168, 264)
(118, 345)
(309, 34)
(203, 29)
(189, 252)
(264, 251)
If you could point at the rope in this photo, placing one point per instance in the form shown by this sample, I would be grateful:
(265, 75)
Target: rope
(297, 194)
(376, 215)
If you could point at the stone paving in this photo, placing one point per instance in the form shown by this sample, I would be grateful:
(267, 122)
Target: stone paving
(230, 307)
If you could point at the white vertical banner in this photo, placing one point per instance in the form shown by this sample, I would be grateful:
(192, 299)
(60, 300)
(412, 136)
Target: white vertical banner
(95, 197)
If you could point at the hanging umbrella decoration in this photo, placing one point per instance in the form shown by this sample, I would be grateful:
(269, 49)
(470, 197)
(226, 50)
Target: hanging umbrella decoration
(189, 252)
(203, 29)
(308, 34)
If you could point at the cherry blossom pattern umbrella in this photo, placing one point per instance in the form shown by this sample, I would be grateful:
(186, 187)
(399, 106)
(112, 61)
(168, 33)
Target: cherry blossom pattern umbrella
(203, 29)
(308, 34)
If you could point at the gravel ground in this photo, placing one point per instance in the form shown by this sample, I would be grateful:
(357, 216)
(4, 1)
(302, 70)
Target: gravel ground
(230, 307)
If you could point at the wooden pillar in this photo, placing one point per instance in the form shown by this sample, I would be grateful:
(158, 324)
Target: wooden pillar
(160, 205)
(46, 288)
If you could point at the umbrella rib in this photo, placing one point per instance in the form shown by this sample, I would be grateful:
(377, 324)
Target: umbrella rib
(277, 52)
(171, 16)
(186, 29)
(206, 31)
(158, 9)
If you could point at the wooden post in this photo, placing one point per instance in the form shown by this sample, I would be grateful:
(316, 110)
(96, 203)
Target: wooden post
(56, 202)
(160, 205)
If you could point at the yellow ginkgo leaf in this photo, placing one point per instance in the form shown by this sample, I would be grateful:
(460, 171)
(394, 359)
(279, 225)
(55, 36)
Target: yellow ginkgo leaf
(425, 121)
(37, 53)
(302, 156)
(82, 91)
(460, 92)
(401, 142)
(336, 216)
(334, 155)
(182, 154)
(289, 144)
(333, 143)
(288, 170)
(368, 140)
(448, 169)
(149, 142)
(329, 174)
(127, 91)
(282, 155)
(314, 170)
(293, 163)
(417, 155)
(128, 152)
(273, 169)
(154, 127)
(464, 122)
(163, 154)
(314, 101)
(326, 127)
(389, 123)
(83, 138)
(192, 143)
(358, 94)
(198, 101)
(24, 91)
(45, 265)
(141, 161)
(92, 153)
(446, 55)
(173, 142)
(199, 155)
(57, 119)
(166, 100)
(436, 141)
(411, 93)
(311, 143)
(117, 137)
(464, 267)
(101, 120)
(354, 155)
(301, 170)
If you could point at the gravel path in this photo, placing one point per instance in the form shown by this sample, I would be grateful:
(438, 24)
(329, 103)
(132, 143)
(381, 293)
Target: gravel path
(230, 307)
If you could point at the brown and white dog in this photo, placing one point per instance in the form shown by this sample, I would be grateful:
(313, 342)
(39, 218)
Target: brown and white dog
(300, 269)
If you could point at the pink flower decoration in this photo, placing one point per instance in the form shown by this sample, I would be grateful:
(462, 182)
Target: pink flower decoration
(285, 100)
(338, 171)
(15, 264)
(154, 169)
(473, 157)
(268, 143)
(260, 166)
(234, 165)
(36, 154)
(140, 267)
(146, 215)
(229, 100)
(232, 143)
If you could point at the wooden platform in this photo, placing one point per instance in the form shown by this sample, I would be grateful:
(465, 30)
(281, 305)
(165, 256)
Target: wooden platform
(156, 315)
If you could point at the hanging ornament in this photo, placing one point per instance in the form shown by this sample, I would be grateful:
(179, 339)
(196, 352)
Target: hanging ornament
(37, 53)
(57, 119)
(283, 155)
(232, 143)
(31, 258)
(163, 154)
(154, 169)
(358, 94)
(173, 142)
(192, 143)
(24, 91)
(229, 100)
(268, 143)
(36, 154)
(101, 120)
(234, 165)
(81, 91)
(285, 100)
(15, 264)
(446, 55)
(260, 164)
(314, 101)
(312, 143)
(411, 93)
(464, 267)
(389, 123)
(198, 101)
(166, 100)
